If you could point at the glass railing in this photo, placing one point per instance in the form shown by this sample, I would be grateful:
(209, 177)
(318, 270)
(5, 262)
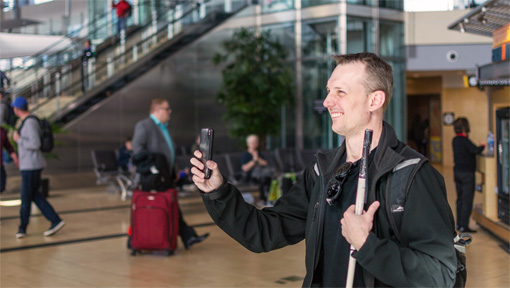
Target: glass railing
(98, 30)
(64, 86)
(271, 6)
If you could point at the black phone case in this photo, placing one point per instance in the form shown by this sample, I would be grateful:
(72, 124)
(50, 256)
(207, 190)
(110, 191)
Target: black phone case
(206, 147)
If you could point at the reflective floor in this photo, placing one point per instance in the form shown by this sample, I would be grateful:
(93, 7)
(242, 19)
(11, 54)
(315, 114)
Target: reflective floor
(90, 251)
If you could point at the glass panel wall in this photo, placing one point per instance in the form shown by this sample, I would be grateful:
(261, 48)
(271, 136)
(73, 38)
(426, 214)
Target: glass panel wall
(317, 132)
(319, 42)
(360, 2)
(270, 6)
(284, 32)
(308, 3)
(359, 36)
(319, 38)
(395, 113)
(392, 4)
(391, 43)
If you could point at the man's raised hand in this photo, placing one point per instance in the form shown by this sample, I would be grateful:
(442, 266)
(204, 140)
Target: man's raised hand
(205, 185)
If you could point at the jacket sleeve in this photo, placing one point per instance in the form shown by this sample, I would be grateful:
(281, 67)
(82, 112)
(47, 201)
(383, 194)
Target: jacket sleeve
(6, 143)
(260, 230)
(426, 257)
(30, 135)
(473, 149)
(139, 142)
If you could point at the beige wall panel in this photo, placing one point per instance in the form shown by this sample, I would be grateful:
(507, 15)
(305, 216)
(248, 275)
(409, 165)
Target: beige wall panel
(423, 86)
(464, 102)
(501, 96)
(431, 28)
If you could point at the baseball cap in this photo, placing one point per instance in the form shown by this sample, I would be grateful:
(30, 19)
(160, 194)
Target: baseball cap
(20, 103)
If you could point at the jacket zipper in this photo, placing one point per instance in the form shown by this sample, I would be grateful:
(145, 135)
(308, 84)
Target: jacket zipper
(317, 207)
(315, 211)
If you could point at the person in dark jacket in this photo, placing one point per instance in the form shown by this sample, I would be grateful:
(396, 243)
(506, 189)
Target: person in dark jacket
(124, 159)
(5, 143)
(359, 90)
(4, 81)
(255, 168)
(87, 54)
(464, 158)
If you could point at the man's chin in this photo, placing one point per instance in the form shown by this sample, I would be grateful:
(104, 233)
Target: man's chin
(337, 130)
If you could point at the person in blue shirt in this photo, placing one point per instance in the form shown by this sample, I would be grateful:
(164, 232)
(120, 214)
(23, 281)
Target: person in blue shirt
(153, 136)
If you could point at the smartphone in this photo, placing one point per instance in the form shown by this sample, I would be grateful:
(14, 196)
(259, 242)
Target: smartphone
(206, 147)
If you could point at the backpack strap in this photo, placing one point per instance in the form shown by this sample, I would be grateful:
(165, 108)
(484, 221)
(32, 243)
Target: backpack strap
(23, 122)
(398, 183)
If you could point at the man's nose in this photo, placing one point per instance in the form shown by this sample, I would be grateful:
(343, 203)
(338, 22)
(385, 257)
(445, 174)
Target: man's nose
(327, 102)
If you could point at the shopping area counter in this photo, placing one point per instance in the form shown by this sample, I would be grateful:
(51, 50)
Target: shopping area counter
(486, 213)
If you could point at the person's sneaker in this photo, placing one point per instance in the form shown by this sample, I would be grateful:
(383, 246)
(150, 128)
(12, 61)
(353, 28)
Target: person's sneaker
(21, 234)
(54, 228)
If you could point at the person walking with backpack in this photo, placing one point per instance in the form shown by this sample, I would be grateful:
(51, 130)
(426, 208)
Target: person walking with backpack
(31, 164)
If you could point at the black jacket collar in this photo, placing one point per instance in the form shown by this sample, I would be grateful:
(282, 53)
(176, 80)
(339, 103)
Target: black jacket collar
(386, 157)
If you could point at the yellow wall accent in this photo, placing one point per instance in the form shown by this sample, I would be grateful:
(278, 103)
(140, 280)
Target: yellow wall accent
(423, 85)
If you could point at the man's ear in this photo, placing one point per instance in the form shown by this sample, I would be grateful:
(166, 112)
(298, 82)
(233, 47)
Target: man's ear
(376, 100)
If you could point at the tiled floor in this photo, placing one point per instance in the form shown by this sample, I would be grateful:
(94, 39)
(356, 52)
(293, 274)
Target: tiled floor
(90, 251)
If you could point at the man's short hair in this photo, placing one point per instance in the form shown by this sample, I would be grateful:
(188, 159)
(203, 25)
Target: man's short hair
(156, 103)
(378, 73)
(461, 125)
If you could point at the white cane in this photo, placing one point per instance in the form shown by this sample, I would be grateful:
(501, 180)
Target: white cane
(360, 199)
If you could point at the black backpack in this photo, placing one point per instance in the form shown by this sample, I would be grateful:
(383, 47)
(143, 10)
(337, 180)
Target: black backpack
(154, 171)
(399, 183)
(10, 118)
(47, 140)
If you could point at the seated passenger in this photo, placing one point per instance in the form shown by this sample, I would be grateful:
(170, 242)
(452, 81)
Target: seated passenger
(255, 168)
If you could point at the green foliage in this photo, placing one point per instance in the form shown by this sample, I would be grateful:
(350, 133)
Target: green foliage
(256, 83)
(57, 129)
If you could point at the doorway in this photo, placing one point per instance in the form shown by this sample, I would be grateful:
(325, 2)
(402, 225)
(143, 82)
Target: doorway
(424, 125)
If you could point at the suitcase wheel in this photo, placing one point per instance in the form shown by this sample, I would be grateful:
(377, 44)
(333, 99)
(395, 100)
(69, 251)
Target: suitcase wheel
(133, 252)
(169, 252)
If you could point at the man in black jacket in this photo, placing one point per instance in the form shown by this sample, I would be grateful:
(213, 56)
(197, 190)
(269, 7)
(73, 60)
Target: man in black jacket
(359, 90)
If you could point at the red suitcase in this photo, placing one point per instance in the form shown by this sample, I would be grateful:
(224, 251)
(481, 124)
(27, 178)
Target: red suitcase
(154, 221)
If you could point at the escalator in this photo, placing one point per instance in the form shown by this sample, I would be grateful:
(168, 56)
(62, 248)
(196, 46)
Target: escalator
(58, 92)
